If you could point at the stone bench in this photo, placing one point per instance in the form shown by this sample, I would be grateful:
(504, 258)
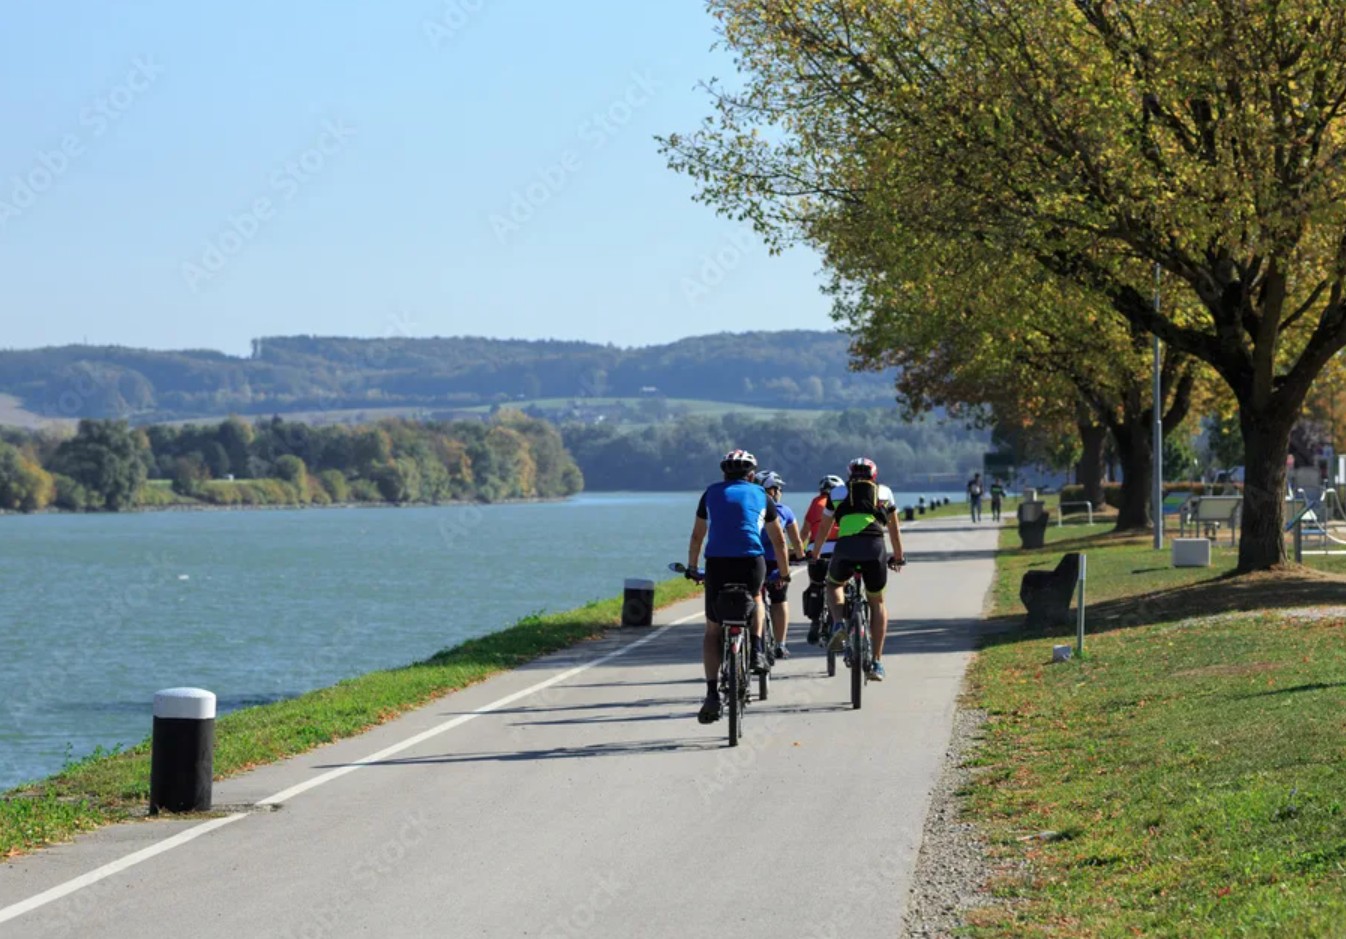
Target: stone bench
(1046, 594)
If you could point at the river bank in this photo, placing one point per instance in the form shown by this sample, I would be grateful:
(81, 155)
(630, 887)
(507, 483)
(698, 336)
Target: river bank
(110, 787)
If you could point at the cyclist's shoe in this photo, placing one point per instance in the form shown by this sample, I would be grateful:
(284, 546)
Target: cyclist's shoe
(846, 657)
(759, 663)
(710, 710)
(782, 652)
(876, 672)
(838, 640)
(814, 629)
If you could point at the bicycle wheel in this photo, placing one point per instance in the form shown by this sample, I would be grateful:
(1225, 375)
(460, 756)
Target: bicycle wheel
(857, 658)
(733, 697)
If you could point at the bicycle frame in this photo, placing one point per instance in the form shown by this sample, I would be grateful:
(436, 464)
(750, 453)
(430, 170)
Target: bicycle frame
(858, 636)
(734, 673)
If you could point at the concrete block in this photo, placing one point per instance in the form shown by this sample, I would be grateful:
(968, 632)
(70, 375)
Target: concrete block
(1191, 552)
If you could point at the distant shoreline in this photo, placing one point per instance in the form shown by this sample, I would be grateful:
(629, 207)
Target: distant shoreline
(204, 507)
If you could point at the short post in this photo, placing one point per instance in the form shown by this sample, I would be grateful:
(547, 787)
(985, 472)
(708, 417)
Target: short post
(1079, 608)
(638, 602)
(1299, 540)
(182, 755)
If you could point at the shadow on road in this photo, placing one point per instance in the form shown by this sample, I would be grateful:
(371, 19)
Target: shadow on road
(685, 744)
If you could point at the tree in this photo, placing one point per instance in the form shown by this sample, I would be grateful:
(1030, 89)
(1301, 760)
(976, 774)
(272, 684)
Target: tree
(1103, 140)
(105, 458)
(24, 486)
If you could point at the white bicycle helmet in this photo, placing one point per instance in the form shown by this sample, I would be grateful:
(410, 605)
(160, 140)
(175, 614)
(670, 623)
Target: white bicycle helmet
(771, 480)
(738, 461)
(828, 483)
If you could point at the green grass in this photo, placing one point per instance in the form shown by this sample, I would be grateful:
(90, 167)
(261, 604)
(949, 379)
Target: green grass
(111, 787)
(1187, 770)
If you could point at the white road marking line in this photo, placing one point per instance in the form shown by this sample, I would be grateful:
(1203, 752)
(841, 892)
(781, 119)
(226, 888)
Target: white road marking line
(144, 854)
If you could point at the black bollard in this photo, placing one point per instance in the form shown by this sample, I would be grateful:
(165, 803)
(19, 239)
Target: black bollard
(638, 602)
(182, 756)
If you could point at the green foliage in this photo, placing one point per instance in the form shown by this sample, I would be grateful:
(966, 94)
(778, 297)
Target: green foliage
(106, 458)
(24, 485)
(511, 456)
(334, 482)
(301, 373)
(686, 454)
(70, 495)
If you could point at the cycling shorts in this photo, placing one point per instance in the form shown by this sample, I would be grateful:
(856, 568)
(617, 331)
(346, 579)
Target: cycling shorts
(868, 555)
(751, 572)
(776, 591)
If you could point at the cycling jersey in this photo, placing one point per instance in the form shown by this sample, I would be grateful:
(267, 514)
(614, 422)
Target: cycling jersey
(736, 511)
(813, 519)
(787, 516)
(858, 523)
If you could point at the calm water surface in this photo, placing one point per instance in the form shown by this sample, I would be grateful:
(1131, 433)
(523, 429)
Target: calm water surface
(97, 612)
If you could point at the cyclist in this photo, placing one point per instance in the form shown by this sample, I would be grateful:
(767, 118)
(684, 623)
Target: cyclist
(778, 592)
(813, 518)
(861, 509)
(730, 520)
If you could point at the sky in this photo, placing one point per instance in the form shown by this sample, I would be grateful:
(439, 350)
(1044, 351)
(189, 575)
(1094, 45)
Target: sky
(178, 175)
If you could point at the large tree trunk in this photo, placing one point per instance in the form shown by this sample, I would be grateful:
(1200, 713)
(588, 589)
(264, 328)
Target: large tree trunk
(1136, 456)
(1266, 440)
(1089, 470)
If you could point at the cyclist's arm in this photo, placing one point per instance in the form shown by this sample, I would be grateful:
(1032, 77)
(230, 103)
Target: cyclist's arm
(823, 535)
(895, 533)
(796, 541)
(777, 536)
(699, 530)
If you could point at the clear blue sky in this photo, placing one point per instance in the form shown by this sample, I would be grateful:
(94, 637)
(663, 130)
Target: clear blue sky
(197, 175)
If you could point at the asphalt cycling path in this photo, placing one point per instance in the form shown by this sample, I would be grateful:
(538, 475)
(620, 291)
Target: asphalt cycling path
(575, 796)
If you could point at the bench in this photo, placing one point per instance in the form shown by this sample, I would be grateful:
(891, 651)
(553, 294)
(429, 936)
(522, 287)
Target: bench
(1046, 594)
(1208, 513)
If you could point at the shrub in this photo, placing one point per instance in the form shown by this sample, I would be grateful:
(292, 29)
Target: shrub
(334, 481)
(365, 490)
(70, 495)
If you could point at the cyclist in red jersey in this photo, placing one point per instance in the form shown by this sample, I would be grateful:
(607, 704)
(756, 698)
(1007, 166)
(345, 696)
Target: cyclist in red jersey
(813, 520)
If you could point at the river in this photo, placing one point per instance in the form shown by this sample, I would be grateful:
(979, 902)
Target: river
(97, 612)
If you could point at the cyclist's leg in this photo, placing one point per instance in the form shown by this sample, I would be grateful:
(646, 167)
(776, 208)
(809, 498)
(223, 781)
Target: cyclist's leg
(837, 575)
(712, 644)
(874, 569)
(763, 601)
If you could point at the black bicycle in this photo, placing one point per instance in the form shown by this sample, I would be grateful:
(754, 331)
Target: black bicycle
(859, 648)
(735, 606)
(768, 638)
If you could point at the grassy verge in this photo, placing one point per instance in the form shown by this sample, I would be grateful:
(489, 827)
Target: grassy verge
(1183, 779)
(111, 787)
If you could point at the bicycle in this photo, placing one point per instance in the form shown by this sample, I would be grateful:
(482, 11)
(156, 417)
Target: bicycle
(737, 601)
(768, 638)
(859, 650)
(820, 622)
(859, 642)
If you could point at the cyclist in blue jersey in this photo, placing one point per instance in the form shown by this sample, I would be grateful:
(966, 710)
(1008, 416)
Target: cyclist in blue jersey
(778, 592)
(730, 520)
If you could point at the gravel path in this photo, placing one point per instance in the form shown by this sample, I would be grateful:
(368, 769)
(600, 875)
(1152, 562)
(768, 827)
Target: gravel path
(953, 868)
